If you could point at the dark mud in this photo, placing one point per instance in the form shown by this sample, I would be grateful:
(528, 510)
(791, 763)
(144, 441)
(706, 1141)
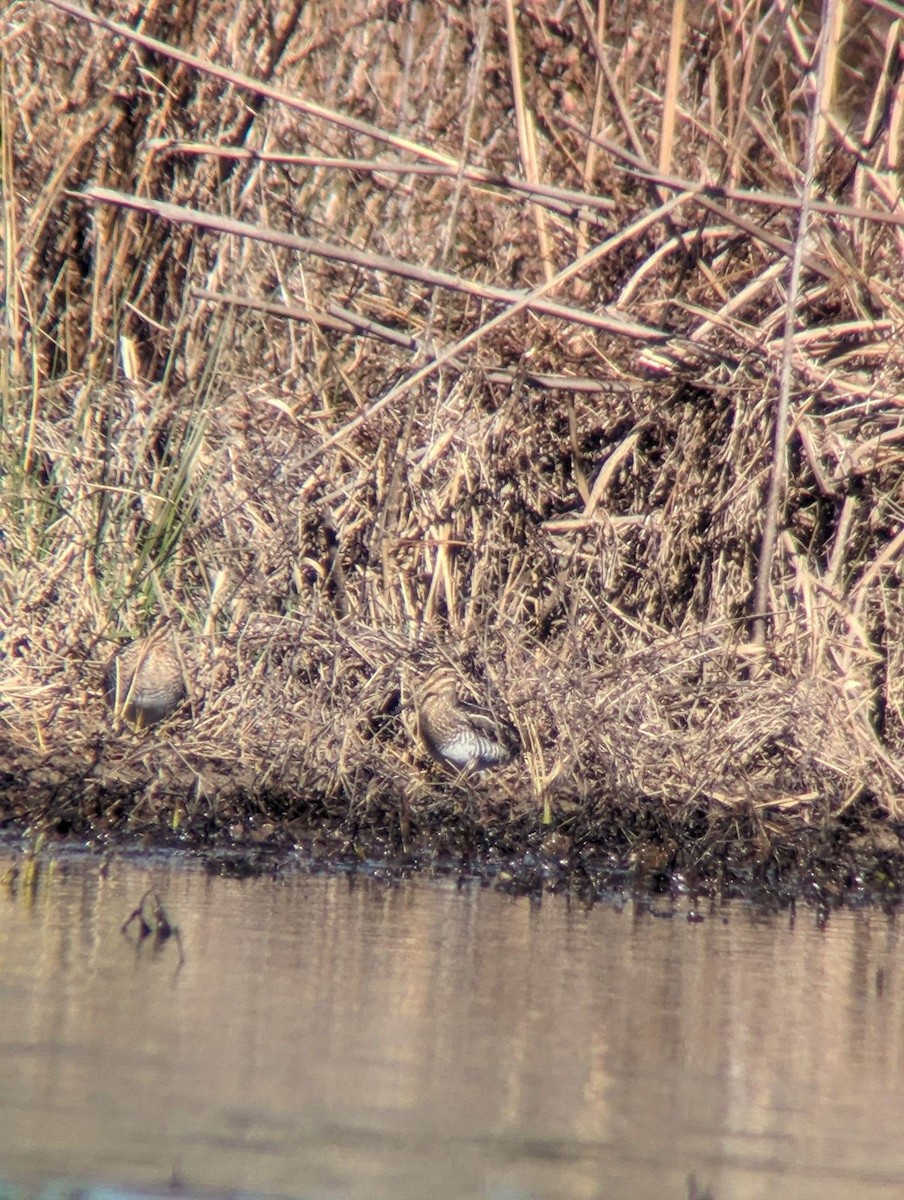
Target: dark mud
(597, 853)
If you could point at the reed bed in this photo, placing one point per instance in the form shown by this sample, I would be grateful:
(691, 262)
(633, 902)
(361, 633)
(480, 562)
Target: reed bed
(560, 344)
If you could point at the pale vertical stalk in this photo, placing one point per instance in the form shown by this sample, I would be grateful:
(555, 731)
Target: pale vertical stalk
(896, 117)
(582, 236)
(779, 474)
(670, 101)
(10, 239)
(527, 139)
(831, 34)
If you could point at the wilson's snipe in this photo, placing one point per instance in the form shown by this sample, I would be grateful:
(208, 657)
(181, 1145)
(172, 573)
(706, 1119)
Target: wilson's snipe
(144, 681)
(457, 734)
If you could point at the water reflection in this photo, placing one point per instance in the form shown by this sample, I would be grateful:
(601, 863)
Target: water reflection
(328, 1038)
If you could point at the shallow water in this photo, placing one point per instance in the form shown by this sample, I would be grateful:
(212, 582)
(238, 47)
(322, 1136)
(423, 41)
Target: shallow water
(332, 1038)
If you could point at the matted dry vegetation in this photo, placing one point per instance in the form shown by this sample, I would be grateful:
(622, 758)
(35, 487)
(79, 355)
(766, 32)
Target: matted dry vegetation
(560, 343)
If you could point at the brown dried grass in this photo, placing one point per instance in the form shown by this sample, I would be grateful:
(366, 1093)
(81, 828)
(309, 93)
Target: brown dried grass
(451, 364)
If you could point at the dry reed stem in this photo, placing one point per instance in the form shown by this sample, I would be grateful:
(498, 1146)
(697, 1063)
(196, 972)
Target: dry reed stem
(178, 214)
(670, 98)
(779, 473)
(527, 139)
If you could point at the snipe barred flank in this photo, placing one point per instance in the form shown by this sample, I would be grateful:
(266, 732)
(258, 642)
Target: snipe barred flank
(457, 734)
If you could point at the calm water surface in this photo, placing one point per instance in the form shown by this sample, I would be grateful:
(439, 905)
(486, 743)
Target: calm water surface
(335, 1039)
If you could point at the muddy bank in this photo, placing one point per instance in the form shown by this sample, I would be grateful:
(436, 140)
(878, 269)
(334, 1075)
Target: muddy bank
(825, 871)
(291, 742)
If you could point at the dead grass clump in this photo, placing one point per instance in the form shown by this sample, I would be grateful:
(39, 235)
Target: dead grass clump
(564, 349)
